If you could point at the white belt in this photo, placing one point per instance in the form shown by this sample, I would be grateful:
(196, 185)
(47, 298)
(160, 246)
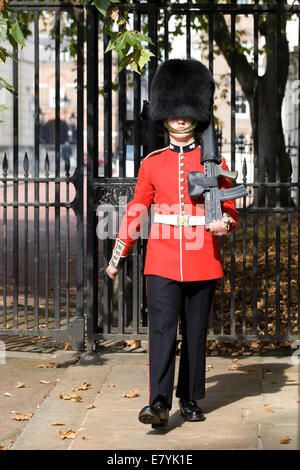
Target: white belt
(174, 219)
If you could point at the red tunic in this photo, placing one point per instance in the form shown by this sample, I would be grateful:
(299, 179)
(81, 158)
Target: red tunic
(181, 253)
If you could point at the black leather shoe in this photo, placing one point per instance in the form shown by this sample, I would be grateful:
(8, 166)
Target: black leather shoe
(157, 415)
(190, 410)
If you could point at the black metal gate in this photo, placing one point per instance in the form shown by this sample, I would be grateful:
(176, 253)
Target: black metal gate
(42, 225)
(258, 298)
(42, 266)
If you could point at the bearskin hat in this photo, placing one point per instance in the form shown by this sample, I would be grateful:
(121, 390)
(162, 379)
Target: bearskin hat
(182, 88)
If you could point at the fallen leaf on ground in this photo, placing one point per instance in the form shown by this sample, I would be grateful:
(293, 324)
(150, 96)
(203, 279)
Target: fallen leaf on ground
(55, 365)
(234, 360)
(267, 410)
(132, 394)
(64, 397)
(91, 406)
(70, 397)
(44, 382)
(68, 434)
(234, 367)
(67, 347)
(8, 447)
(85, 438)
(58, 423)
(285, 440)
(84, 386)
(7, 394)
(133, 344)
(25, 417)
(76, 398)
(20, 385)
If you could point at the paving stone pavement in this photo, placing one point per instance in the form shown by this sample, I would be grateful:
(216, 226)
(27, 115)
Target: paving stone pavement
(250, 404)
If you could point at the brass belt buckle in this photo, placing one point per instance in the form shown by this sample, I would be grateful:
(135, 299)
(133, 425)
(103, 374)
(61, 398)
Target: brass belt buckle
(183, 220)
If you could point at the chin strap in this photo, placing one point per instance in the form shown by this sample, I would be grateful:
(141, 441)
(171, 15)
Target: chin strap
(183, 131)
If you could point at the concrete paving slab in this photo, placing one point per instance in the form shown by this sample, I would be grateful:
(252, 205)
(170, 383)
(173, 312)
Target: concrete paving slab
(21, 367)
(286, 416)
(232, 406)
(239, 411)
(283, 398)
(132, 435)
(135, 377)
(40, 433)
(271, 435)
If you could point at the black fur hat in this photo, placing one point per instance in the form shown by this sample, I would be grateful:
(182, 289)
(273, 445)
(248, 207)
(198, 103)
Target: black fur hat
(182, 88)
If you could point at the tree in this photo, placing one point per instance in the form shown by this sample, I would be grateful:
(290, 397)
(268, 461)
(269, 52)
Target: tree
(270, 87)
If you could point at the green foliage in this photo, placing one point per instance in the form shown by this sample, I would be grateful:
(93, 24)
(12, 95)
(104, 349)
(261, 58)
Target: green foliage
(129, 44)
(5, 84)
(15, 35)
(9, 31)
(3, 28)
(102, 5)
(2, 107)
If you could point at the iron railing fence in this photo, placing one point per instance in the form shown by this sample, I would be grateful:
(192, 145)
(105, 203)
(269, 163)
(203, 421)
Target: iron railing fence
(258, 297)
(42, 225)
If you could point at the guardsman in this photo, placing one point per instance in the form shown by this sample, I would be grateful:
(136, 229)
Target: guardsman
(183, 261)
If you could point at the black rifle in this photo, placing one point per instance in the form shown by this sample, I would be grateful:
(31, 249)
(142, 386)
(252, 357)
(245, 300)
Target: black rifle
(206, 184)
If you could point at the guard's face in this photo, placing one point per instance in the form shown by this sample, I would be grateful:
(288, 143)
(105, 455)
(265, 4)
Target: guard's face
(179, 124)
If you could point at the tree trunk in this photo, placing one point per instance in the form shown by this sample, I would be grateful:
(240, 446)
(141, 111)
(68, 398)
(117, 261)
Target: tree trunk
(273, 163)
(271, 152)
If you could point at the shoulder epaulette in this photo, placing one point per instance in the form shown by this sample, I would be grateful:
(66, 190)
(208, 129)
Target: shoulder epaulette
(156, 152)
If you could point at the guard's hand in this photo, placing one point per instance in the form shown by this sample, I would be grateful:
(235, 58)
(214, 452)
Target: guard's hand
(112, 272)
(218, 228)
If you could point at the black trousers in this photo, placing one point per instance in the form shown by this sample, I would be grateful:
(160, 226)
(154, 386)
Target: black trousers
(166, 299)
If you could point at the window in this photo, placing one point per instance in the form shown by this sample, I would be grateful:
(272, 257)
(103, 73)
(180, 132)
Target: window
(52, 97)
(241, 104)
(240, 143)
